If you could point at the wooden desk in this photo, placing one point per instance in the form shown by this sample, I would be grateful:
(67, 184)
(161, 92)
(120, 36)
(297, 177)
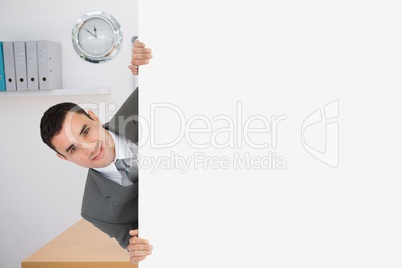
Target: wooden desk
(83, 246)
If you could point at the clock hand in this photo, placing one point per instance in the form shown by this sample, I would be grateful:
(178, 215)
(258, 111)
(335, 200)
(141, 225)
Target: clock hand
(90, 32)
(95, 31)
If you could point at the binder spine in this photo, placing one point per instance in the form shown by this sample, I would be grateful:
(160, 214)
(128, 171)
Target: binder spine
(49, 61)
(9, 67)
(20, 61)
(32, 65)
(43, 65)
(2, 74)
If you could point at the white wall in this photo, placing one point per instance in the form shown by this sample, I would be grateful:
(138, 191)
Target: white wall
(41, 194)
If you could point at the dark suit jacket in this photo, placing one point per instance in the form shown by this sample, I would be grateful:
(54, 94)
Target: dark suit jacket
(107, 205)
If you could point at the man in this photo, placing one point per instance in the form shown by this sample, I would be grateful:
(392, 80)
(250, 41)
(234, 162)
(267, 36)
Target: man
(110, 199)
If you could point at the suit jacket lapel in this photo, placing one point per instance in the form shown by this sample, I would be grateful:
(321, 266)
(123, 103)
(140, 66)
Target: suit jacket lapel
(109, 189)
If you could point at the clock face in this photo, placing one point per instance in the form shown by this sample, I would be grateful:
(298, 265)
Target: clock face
(97, 37)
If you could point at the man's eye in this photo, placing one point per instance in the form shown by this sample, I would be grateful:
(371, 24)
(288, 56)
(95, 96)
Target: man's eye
(73, 149)
(86, 131)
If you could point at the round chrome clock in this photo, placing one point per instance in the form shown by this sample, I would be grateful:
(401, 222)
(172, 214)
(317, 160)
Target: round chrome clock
(97, 37)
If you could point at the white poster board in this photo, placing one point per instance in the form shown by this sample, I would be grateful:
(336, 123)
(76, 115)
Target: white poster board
(271, 133)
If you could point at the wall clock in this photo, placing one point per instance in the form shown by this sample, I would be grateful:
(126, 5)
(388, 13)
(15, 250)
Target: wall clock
(97, 37)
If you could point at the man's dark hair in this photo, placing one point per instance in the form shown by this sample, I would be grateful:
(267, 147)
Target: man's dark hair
(53, 119)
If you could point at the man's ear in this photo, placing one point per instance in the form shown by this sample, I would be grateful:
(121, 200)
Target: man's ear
(61, 156)
(93, 115)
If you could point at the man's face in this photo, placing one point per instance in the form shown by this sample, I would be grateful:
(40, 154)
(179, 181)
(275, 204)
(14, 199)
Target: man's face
(84, 141)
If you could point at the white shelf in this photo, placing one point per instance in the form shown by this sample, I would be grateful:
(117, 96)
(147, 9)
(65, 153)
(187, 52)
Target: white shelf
(56, 92)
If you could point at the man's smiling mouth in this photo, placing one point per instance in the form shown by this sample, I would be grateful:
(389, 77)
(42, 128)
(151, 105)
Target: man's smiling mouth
(99, 152)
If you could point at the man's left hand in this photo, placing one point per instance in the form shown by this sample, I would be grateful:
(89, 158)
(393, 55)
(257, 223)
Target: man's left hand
(138, 248)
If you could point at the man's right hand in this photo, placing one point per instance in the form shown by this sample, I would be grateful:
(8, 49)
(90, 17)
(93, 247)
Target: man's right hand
(139, 248)
(140, 56)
